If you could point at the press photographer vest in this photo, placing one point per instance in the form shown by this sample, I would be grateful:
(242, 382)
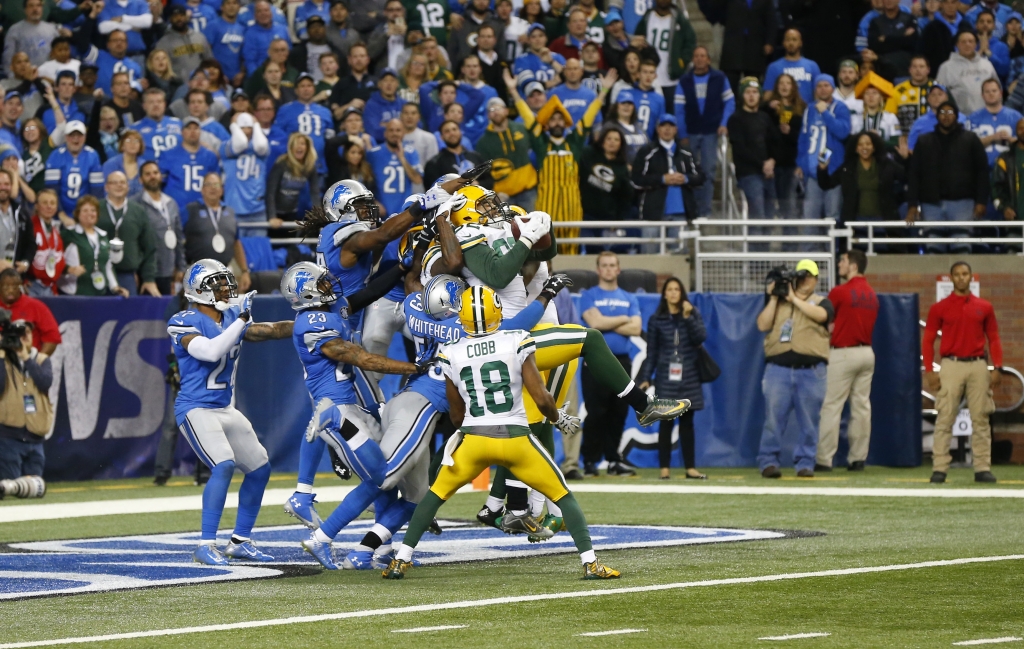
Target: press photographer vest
(809, 338)
(12, 403)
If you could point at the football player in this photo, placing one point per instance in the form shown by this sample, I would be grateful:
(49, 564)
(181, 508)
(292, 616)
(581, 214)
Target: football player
(207, 339)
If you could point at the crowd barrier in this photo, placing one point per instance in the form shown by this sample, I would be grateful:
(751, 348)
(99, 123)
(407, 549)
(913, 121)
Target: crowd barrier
(110, 394)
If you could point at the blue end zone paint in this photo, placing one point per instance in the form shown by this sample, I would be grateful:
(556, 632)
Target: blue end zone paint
(49, 568)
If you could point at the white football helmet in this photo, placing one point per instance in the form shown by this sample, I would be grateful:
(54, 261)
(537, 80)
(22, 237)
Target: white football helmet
(204, 278)
(306, 285)
(350, 200)
(442, 296)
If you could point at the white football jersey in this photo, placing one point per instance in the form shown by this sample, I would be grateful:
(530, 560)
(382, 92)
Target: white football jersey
(534, 288)
(488, 371)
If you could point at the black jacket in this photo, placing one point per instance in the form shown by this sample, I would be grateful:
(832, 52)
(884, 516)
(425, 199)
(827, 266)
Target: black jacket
(748, 28)
(890, 177)
(661, 335)
(446, 162)
(788, 143)
(948, 167)
(650, 164)
(937, 42)
(298, 58)
(888, 39)
(754, 138)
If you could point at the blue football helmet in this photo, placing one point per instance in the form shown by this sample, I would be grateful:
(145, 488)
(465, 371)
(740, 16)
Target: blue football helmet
(205, 278)
(442, 296)
(306, 285)
(350, 200)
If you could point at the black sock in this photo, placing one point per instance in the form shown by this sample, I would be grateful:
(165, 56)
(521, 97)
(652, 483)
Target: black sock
(637, 398)
(372, 541)
(516, 499)
(237, 541)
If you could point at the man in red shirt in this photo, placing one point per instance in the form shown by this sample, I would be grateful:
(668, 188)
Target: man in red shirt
(851, 365)
(46, 334)
(965, 321)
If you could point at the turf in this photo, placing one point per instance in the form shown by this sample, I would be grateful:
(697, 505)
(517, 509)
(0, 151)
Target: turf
(924, 607)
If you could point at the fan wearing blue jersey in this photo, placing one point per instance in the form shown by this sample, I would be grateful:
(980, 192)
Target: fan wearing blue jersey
(574, 96)
(226, 35)
(128, 16)
(650, 104)
(260, 33)
(207, 339)
(804, 71)
(537, 63)
(213, 132)
(74, 169)
(304, 116)
(65, 102)
(160, 132)
(186, 165)
(307, 10)
(383, 105)
(111, 60)
(245, 170)
(396, 167)
(995, 124)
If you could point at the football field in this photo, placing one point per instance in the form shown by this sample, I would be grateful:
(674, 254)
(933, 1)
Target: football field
(873, 559)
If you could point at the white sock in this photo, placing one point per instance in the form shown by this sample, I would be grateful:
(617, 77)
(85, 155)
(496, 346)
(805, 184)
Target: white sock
(363, 548)
(404, 552)
(553, 509)
(383, 549)
(629, 388)
(536, 503)
(588, 557)
(303, 488)
(210, 542)
(358, 440)
(519, 512)
(320, 536)
(494, 504)
(515, 483)
(382, 533)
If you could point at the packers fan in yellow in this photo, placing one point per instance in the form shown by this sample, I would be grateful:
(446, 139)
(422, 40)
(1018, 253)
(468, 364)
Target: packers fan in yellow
(485, 374)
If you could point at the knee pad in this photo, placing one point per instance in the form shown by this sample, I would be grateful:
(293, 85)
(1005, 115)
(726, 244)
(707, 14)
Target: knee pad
(28, 486)
(224, 470)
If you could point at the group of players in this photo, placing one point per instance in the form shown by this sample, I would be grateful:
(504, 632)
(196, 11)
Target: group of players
(466, 277)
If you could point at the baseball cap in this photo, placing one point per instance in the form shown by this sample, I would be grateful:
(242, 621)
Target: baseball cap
(1015, 16)
(12, 94)
(315, 19)
(613, 15)
(239, 93)
(74, 126)
(245, 120)
(190, 120)
(625, 96)
(305, 75)
(938, 86)
(532, 87)
(808, 265)
(495, 102)
(387, 72)
(351, 109)
(849, 63)
(539, 26)
(667, 118)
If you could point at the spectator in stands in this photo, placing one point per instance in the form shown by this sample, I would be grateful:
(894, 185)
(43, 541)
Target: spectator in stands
(126, 221)
(846, 91)
(675, 53)
(966, 323)
(704, 102)
(16, 237)
(213, 134)
(48, 258)
(186, 46)
(225, 35)
(29, 310)
(219, 87)
(108, 133)
(265, 113)
(796, 352)
(1000, 15)
(87, 80)
(538, 63)
(616, 314)
(307, 11)
(257, 82)
(425, 144)
(437, 59)
(10, 117)
(273, 85)
(351, 163)
(20, 190)
(535, 96)
(414, 75)
(1006, 178)
(128, 110)
(470, 74)
(435, 97)
(339, 34)
(570, 44)
(211, 231)
(165, 222)
(593, 65)
(989, 45)
(606, 193)
(851, 365)
(383, 105)
(354, 88)
(926, 122)
(159, 132)
(65, 102)
(675, 334)
(616, 41)
(803, 71)
(892, 37)
(508, 144)
(185, 166)
(393, 159)
(73, 170)
(874, 92)
(37, 150)
(1014, 40)
(623, 115)
(305, 57)
(60, 61)
(245, 158)
(510, 32)
(453, 158)
(261, 36)
(492, 65)
(133, 17)
(995, 124)
(292, 173)
(293, 117)
(555, 18)
(750, 33)
(573, 95)
(650, 103)
(829, 122)
(754, 141)
(160, 75)
(939, 190)
(462, 41)
(89, 271)
(127, 161)
(24, 83)
(330, 63)
(32, 36)
(867, 180)
(963, 73)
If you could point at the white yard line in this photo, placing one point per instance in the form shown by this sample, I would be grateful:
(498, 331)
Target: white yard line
(500, 601)
(1008, 638)
(795, 636)
(51, 511)
(594, 634)
(423, 629)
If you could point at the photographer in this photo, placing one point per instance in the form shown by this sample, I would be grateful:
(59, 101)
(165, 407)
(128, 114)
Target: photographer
(25, 411)
(796, 351)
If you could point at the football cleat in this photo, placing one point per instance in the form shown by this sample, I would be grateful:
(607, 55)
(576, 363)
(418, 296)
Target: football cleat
(246, 552)
(320, 551)
(661, 409)
(209, 555)
(396, 569)
(356, 560)
(302, 507)
(435, 528)
(596, 570)
(382, 561)
(513, 523)
(490, 518)
(553, 523)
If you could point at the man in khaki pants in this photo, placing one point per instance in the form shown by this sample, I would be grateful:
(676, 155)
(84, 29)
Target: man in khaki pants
(966, 322)
(851, 365)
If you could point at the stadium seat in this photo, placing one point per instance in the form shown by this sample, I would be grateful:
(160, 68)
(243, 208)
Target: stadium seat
(638, 280)
(581, 279)
(267, 281)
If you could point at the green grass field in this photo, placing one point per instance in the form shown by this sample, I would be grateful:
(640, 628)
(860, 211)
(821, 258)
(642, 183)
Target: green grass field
(916, 607)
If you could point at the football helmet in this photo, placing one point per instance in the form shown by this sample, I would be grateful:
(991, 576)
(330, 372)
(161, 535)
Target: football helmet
(442, 296)
(205, 278)
(482, 207)
(306, 286)
(407, 244)
(480, 310)
(517, 211)
(350, 200)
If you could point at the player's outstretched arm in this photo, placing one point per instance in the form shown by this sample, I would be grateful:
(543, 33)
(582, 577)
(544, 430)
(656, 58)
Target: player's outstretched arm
(261, 331)
(534, 384)
(452, 261)
(456, 406)
(346, 352)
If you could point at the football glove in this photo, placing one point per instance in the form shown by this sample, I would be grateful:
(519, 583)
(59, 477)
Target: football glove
(555, 284)
(425, 365)
(568, 424)
(338, 465)
(533, 230)
(433, 197)
(245, 301)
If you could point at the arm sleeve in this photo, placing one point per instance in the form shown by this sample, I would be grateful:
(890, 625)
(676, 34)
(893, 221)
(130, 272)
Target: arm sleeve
(213, 349)
(593, 110)
(140, 22)
(526, 319)
(376, 289)
(524, 111)
(41, 373)
(238, 139)
(995, 346)
(730, 106)
(493, 270)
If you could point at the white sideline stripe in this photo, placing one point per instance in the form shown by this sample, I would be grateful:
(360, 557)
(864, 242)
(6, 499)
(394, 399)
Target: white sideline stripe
(877, 492)
(495, 601)
(423, 629)
(1008, 638)
(795, 636)
(615, 632)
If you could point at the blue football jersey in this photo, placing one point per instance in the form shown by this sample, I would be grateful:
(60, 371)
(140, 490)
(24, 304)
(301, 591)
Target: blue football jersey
(107, 65)
(393, 185)
(328, 254)
(529, 67)
(159, 136)
(650, 106)
(204, 384)
(71, 112)
(226, 44)
(245, 174)
(113, 10)
(984, 124)
(632, 12)
(184, 172)
(324, 377)
(313, 120)
(387, 261)
(73, 176)
(202, 16)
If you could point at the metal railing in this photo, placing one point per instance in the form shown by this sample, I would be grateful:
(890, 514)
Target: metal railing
(734, 202)
(872, 237)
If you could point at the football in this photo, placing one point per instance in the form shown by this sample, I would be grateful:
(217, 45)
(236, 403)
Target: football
(543, 244)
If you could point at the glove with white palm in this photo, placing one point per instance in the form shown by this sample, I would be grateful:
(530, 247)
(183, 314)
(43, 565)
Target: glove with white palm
(568, 424)
(533, 230)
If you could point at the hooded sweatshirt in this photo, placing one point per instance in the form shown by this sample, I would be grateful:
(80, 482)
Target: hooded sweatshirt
(963, 78)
